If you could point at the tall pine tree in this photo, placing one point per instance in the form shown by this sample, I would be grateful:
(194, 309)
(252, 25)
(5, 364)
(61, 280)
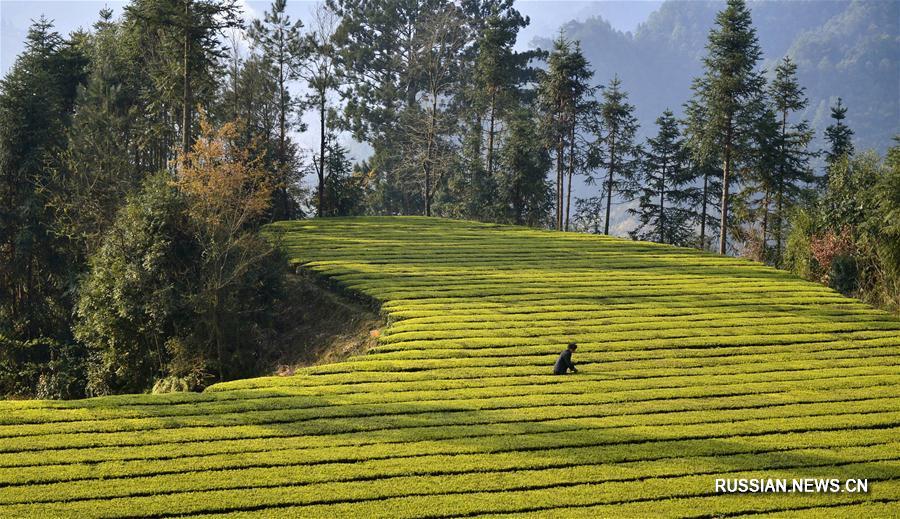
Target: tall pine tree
(792, 171)
(838, 135)
(730, 93)
(37, 98)
(321, 72)
(564, 95)
(616, 150)
(705, 172)
(662, 215)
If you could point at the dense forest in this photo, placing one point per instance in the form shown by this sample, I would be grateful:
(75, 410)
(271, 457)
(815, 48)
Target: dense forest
(141, 159)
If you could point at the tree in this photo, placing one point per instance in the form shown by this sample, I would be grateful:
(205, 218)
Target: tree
(495, 71)
(277, 39)
(563, 96)
(99, 166)
(664, 190)
(615, 150)
(321, 72)
(135, 297)
(428, 125)
(182, 38)
(792, 171)
(753, 204)
(226, 191)
(345, 185)
(848, 237)
(524, 162)
(730, 94)
(379, 46)
(493, 83)
(704, 171)
(37, 98)
(838, 135)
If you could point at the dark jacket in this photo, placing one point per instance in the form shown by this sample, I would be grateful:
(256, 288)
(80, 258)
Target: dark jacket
(564, 363)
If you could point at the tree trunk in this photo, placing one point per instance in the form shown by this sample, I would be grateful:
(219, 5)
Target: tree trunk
(560, 146)
(186, 96)
(282, 135)
(726, 178)
(765, 221)
(609, 180)
(559, 166)
(571, 169)
(662, 210)
(432, 123)
(491, 123)
(703, 211)
(780, 191)
(321, 191)
(779, 207)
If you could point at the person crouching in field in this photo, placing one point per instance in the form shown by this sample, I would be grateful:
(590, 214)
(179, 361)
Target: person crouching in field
(564, 362)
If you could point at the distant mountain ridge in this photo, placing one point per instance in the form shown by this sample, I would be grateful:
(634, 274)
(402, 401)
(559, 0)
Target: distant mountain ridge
(843, 49)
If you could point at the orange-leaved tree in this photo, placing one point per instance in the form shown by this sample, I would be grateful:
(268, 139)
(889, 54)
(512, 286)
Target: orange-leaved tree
(227, 192)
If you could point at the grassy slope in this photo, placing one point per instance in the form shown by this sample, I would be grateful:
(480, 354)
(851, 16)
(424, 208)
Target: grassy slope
(693, 366)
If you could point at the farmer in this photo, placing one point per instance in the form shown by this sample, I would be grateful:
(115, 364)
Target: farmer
(564, 362)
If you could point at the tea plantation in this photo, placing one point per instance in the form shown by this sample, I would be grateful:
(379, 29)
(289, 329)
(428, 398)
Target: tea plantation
(693, 367)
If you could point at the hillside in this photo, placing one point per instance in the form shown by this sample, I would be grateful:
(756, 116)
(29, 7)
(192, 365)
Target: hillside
(692, 367)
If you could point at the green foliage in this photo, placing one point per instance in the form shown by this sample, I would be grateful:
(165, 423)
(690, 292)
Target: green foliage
(853, 222)
(838, 135)
(277, 42)
(134, 298)
(41, 368)
(524, 162)
(344, 186)
(98, 166)
(36, 102)
(729, 97)
(566, 111)
(790, 158)
(616, 150)
(664, 211)
(797, 255)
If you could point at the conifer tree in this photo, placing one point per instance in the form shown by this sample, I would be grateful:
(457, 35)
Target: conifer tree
(564, 96)
(754, 203)
(705, 173)
(838, 135)
(661, 213)
(730, 93)
(100, 164)
(379, 47)
(37, 98)
(492, 80)
(616, 150)
(524, 162)
(278, 40)
(553, 98)
(792, 171)
(184, 38)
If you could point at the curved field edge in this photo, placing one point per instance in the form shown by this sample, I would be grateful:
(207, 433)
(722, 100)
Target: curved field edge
(693, 367)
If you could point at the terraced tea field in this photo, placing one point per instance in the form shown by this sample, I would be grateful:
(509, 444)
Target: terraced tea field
(693, 367)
